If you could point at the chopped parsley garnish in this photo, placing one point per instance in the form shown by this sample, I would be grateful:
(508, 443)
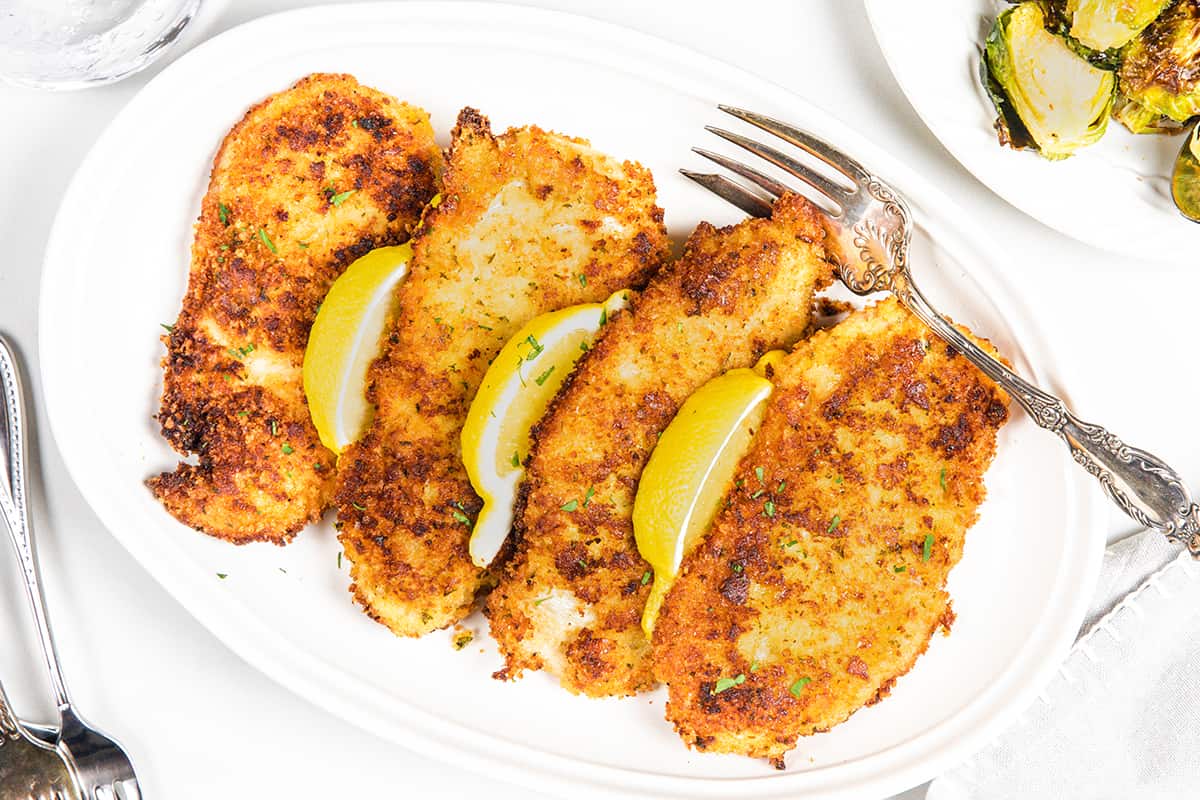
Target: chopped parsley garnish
(769, 508)
(540, 379)
(535, 348)
(541, 600)
(360, 508)
(340, 197)
(582, 280)
(646, 577)
(798, 687)
(516, 459)
(757, 494)
(262, 234)
(243, 413)
(460, 517)
(833, 524)
(302, 245)
(287, 449)
(754, 666)
(758, 473)
(838, 479)
(584, 346)
(587, 497)
(779, 488)
(927, 550)
(222, 575)
(942, 478)
(603, 317)
(736, 568)
(570, 505)
(223, 214)
(728, 683)
(274, 428)
(900, 568)
(339, 560)
(785, 545)
(171, 328)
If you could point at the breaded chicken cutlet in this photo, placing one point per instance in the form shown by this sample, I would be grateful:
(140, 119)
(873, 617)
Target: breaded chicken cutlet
(528, 221)
(824, 578)
(571, 599)
(310, 179)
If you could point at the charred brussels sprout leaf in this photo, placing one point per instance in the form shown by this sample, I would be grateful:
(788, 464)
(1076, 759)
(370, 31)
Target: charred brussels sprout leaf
(1185, 182)
(1139, 119)
(1047, 96)
(1110, 24)
(1161, 68)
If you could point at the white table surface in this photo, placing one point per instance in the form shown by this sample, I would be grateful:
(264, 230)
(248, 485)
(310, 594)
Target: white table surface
(200, 722)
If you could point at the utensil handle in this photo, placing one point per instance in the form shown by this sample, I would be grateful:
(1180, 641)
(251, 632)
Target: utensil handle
(1140, 483)
(15, 510)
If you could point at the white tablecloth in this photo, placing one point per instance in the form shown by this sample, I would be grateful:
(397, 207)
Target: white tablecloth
(202, 723)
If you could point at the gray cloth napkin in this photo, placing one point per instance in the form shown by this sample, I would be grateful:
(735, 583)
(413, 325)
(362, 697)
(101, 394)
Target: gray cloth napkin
(1121, 719)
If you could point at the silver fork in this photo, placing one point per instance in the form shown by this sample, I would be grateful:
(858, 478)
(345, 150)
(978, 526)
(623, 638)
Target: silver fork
(100, 767)
(874, 227)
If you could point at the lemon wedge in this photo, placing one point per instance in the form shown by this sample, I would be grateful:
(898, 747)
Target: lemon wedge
(689, 471)
(514, 394)
(345, 339)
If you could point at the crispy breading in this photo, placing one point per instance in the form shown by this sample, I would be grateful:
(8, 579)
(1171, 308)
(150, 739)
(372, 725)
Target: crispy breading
(529, 221)
(308, 180)
(822, 581)
(571, 600)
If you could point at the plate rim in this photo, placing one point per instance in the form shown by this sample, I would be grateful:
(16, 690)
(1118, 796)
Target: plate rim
(448, 741)
(963, 155)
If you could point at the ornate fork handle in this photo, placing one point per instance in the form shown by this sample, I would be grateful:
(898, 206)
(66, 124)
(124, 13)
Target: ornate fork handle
(1140, 483)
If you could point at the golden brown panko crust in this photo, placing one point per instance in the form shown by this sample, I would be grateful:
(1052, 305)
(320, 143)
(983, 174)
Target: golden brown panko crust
(276, 228)
(522, 216)
(571, 600)
(812, 593)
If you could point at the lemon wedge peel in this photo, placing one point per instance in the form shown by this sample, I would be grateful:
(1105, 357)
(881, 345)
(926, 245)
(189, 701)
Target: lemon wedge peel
(514, 394)
(688, 474)
(345, 339)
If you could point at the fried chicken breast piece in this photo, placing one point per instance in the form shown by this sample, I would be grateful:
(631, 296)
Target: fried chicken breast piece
(808, 600)
(570, 601)
(528, 222)
(309, 180)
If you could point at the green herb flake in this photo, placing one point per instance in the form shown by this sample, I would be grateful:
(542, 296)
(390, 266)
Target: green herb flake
(535, 348)
(899, 568)
(646, 577)
(728, 683)
(838, 479)
(754, 666)
(587, 497)
(222, 575)
(570, 505)
(798, 687)
(340, 197)
(274, 428)
(769, 508)
(243, 413)
(583, 280)
(603, 317)
(287, 449)
(737, 568)
(516, 459)
(833, 523)
(460, 517)
(339, 560)
(302, 245)
(357, 506)
(166, 327)
(942, 478)
(584, 347)
(541, 600)
(223, 214)
(757, 494)
(541, 379)
(927, 549)
(262, 234)
(758, 473)
(779, 488)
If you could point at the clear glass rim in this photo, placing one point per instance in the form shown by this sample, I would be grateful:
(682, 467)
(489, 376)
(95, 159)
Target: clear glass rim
(151, 53)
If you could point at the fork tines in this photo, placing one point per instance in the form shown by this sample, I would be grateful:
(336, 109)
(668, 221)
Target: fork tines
(831, 194)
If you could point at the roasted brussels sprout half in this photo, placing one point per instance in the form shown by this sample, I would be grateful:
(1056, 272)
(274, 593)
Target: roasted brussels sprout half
(1048, 98)
(1139, 119)
(1161, 67)
(1185, 182)
(1108, 24)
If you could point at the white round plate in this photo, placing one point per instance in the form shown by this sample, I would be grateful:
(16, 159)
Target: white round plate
(116, 267)
(1115, 195)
